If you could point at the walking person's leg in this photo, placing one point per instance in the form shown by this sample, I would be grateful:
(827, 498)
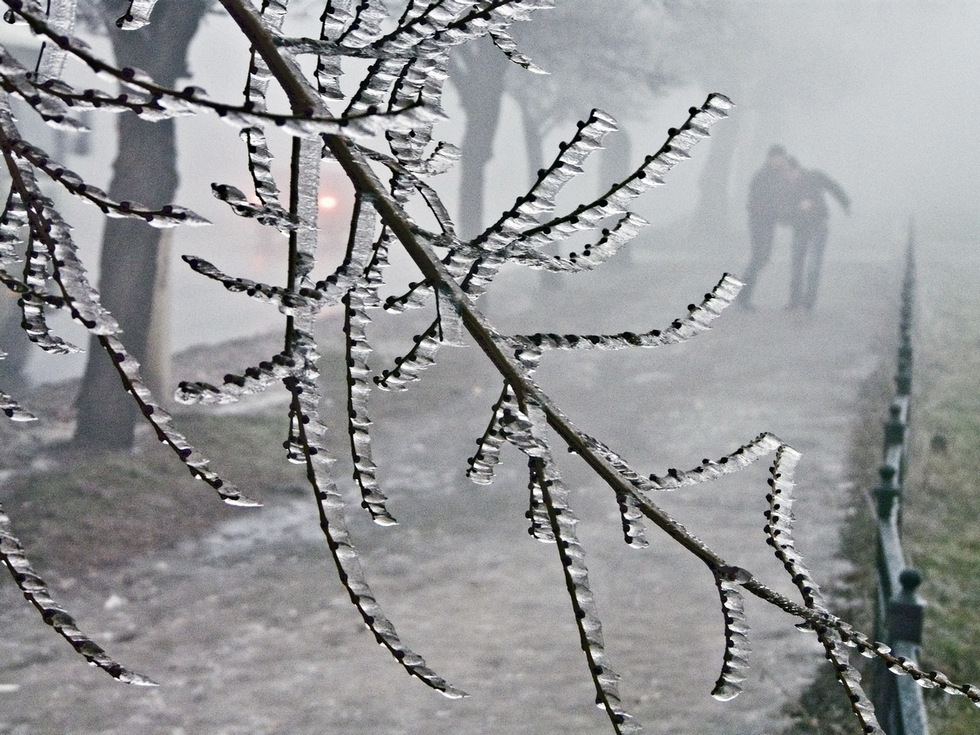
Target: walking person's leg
(761, 234)
(818, 241)
(801, 243)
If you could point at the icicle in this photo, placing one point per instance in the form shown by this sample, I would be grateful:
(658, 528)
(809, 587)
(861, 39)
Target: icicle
(61, 15)
(38, 594)
(137, 16)
(697, 320)
(11, 409)
(735, 665)
(308, 154)
(358, 393)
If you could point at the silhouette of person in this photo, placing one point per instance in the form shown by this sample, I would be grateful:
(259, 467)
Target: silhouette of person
(769, 203)
(808, 215)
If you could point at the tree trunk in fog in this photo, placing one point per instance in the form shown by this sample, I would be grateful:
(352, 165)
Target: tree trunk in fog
(145, 170)
(615, 163)
(712, 220)
(157, 366)
(479, 73)
(533, 142)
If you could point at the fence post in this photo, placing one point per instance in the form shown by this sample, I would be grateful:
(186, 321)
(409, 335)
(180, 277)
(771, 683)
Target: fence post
(895, 426)
(899, 611)
(887, 492)
(903, 378)
(905, 615)
(906, 610)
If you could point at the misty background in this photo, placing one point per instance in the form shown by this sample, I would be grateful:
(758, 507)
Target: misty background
(879, 95)
(882, 96)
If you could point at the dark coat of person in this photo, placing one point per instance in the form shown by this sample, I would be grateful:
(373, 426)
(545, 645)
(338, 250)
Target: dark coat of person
(806, 200)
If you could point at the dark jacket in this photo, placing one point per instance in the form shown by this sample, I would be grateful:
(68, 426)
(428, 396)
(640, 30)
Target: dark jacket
(768, 199)
(808, 202)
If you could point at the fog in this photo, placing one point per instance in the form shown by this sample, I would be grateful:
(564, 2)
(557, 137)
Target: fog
(883, 96)
(880, 95)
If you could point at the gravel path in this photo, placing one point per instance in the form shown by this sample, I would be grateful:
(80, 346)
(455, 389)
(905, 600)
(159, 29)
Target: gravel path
(249, 631)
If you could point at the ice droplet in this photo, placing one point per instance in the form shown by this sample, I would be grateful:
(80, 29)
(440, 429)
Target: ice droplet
(726, 692)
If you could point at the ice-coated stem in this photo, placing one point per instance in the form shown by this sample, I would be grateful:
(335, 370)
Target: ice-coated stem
(305, 101)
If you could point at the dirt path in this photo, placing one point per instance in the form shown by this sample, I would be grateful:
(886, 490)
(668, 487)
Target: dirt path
(250, 633)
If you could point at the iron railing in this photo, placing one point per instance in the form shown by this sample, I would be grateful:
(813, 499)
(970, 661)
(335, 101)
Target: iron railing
(898, 610)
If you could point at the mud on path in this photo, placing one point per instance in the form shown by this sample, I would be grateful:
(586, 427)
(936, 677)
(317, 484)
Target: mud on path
(249, 632)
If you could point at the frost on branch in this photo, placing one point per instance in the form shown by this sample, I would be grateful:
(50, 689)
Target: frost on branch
(37, 594)
(736, 663)
(369, 106)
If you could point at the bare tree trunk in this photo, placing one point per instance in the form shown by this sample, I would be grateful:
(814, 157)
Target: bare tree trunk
(533, 142)
(615, 165)
(479, 73)
(712, 216)
(615, 160)
(157, 367)
(145, 170)
(534, 131)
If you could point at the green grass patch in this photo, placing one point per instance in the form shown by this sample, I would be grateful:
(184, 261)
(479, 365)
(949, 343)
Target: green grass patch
(823, 708)
(98, 511)
(942, 518)
(941, 512)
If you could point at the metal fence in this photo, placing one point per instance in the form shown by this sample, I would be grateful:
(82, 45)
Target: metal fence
(898, 608)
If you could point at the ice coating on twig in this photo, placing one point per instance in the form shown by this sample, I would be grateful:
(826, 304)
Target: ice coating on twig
(554, 503)
(779, 530)
(394, 103)
(358, 394)
(709, 469)
(37, 593)
(735, 663)
(696, 321)
(305, 397)
(158, 102)
(137, 16)
(11, 408)
(487, 455)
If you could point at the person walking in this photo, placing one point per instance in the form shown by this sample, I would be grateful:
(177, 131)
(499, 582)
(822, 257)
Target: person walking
(769, 203)
(808, 215)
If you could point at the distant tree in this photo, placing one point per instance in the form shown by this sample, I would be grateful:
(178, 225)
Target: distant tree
(701, 33)
(482, 74)
(380, 132)
(145, 170)
(775, 65)
(618, 68)
(615, 67)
